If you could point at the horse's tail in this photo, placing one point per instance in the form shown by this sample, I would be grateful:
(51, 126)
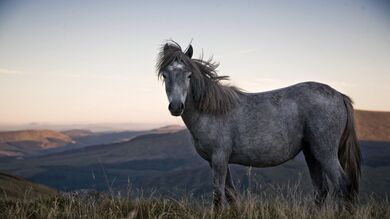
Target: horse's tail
(349, 151)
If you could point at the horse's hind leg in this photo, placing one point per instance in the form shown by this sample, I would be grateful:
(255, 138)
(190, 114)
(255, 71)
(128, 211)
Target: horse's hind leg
(323, 138)
(230, 190)
(329, 162)
(341, 184)
(318, 177)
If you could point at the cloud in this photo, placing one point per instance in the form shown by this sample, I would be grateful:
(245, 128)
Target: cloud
(241, 52)
(247, 51)
(4, 71)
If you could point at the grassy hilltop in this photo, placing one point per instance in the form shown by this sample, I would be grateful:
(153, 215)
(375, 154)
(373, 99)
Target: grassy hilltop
(20, 198)
(263, 205)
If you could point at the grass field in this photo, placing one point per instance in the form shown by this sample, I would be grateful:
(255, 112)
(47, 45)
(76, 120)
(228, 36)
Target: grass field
(275, 204)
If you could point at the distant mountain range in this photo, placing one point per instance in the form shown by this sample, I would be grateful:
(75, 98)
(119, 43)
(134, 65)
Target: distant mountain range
(94, 127)
(18, 143)
(37, 142)
(371, 126)
(164, 160)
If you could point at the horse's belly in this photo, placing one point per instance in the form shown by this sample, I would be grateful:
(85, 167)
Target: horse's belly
(264, 156)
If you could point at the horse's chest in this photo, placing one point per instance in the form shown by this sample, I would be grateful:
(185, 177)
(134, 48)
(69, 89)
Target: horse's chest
(204, 150)
(206, 143)
(210, 135)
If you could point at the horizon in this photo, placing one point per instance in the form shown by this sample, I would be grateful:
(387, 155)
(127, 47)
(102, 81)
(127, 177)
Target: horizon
(105, 127)
(94, 127)
(93, 62)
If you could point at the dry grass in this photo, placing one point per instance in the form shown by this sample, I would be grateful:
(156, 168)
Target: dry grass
(271, 204)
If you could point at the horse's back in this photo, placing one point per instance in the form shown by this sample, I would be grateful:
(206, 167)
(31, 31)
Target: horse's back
(300, 99)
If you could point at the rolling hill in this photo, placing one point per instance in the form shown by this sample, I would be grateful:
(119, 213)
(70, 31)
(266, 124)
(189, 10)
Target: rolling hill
(373, 126)
(38, 142)
(14, 187)
(21, 143)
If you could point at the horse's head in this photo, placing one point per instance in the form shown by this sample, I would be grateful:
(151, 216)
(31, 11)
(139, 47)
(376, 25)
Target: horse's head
(177, 78)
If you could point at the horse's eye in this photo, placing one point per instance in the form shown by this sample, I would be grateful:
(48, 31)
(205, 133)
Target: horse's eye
(164, 76)
(189, 76)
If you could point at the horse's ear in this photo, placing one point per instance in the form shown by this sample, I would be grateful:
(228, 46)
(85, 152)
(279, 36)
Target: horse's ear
(166, 47)
(189, 51)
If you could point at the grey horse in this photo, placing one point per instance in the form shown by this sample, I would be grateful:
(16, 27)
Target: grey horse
(230, 126)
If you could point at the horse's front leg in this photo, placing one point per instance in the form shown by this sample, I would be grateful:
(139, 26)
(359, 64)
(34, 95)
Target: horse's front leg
(231, 193)
(219, 165)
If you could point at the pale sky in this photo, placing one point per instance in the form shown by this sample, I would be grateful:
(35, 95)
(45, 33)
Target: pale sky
(93, 61)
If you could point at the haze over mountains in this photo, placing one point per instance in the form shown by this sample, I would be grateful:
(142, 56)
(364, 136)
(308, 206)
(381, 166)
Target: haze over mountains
(165, 160)
(94, 127)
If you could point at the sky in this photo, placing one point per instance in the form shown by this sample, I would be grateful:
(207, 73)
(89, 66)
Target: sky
(85, 61)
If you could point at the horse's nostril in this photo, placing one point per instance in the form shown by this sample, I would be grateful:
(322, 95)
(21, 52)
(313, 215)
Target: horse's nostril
(176, 107)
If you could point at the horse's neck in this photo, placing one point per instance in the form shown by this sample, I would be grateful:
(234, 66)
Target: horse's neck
(191, 114)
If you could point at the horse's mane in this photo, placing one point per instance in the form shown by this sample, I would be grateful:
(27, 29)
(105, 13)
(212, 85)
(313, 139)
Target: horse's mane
(209, 94)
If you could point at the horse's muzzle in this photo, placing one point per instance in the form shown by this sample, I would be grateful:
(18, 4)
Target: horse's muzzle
(176, 108)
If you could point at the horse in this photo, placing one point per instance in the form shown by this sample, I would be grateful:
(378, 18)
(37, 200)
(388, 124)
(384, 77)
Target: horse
(230, 126)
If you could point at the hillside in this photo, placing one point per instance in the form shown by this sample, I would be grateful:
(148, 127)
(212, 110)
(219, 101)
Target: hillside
(84, 138)
(19, 143)
(47, 138)
(38, 142)
(373, 126)
(14, 187)
(139, 159)
(147, 146)
(168, 129)
(76, 133)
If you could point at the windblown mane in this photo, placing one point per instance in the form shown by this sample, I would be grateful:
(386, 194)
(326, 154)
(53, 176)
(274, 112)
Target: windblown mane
(210, 96)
